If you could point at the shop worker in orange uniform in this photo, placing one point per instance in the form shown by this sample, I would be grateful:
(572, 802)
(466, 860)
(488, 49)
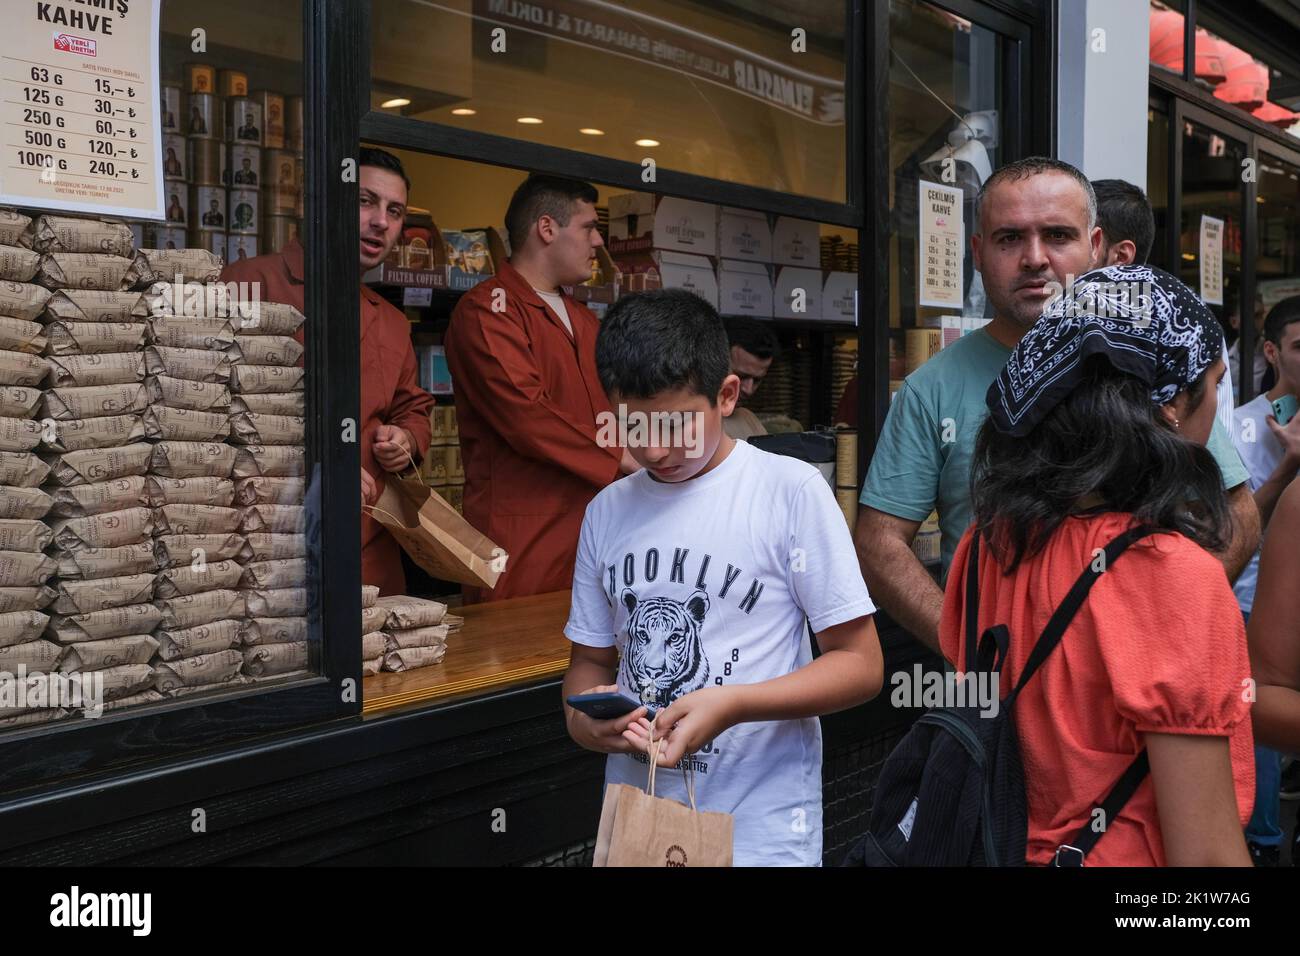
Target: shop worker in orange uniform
(394, 424)
(522, 357)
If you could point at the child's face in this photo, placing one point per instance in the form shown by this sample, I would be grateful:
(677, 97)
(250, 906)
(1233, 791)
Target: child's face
(676, 435)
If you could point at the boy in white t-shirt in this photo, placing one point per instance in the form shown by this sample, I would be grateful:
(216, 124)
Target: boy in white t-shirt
(697, 579)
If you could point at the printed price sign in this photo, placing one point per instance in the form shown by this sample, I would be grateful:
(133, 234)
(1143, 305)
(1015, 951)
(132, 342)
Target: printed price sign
(941, 249)
(79, 107)
(1212, 260)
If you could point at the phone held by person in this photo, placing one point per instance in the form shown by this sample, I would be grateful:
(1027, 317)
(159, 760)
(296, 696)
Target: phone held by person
(1284, 408)
(607, 705)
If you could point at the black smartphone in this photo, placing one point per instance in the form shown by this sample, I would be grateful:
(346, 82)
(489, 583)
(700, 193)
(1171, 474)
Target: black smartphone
(606, 705)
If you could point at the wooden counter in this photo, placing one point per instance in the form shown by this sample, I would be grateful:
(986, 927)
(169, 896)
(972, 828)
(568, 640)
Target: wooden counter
(502, 643)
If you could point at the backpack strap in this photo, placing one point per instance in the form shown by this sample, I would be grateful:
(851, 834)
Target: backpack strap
(1067, 609)
(972, 609)
(1072, 854)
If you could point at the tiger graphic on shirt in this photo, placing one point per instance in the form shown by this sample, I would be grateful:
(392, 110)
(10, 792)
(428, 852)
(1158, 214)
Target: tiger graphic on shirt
(664, 654)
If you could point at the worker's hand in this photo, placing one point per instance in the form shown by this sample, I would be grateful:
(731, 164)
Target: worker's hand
(369, 490)
(394, 449)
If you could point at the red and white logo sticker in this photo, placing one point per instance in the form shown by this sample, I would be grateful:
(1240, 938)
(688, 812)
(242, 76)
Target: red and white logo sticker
(67, 43)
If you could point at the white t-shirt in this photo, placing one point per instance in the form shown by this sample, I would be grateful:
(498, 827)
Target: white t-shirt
(556, 302)
(709, 582)
(1261, 453)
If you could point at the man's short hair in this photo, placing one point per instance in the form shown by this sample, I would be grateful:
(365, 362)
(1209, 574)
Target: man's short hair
(1124, 212)
(370, 156)
(756, 338)
(1034, 166)
(1279, 317)
(539, 196)
(652, 342)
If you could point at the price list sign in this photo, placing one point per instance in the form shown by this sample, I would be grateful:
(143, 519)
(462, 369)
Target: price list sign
(941, 248)
(80, 117)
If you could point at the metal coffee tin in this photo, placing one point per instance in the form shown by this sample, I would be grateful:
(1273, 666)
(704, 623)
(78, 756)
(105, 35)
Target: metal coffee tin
(169, 107)
(204, 117)
(272, 104)
(175, 157)
(213, 240)
(232, 83)
(244, 120)
(207, 159)
(245, 167)
(176, 204)
(209, 206)
(244, 208)
(293, 123)
(168, 237)
(200, 78)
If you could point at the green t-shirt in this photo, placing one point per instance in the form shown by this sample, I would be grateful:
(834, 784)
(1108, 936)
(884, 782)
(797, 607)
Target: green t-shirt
(923, 458)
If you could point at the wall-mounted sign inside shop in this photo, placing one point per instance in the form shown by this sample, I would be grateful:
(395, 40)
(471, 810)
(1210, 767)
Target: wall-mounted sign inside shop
(941, 246)
(79, 91)
(641, 36)
(1211, 249)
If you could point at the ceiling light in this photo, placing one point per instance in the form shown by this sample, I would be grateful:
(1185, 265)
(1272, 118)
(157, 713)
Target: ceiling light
(463, 111)
(647, 142)
(394, 103)
(591, 131)
(529, 120)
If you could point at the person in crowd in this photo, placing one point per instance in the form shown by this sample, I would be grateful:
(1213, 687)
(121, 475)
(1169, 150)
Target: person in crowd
(1271, 452)
(394, 428)
(1275, 634)
(1097, 424)
(698, 603)
(528, 400)
(1036, 228)
(753, 348)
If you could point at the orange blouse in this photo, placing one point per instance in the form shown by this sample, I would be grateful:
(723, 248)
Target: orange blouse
(1158, 647)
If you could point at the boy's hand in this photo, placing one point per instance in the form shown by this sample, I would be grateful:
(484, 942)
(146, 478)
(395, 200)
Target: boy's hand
(687, 724)
(603, 736)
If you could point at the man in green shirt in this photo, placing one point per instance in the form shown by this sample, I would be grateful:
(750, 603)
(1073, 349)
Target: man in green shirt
(1036, 230)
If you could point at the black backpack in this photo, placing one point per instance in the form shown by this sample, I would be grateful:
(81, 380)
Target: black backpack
(952, 793)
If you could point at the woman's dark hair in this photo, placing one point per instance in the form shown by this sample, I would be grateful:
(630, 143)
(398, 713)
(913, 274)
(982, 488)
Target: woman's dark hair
(652, 342)
(1105, 438)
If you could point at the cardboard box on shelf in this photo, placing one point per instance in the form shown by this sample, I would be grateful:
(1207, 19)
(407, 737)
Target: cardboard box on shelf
(922, 345)
(840, 297)
(744, 288)
(639, 222)
(798, 293)
(671, 270)
(744, 234)
(796, 242)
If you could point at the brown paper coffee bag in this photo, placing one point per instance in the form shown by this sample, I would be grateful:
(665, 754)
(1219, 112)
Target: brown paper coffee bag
(201, 490)
(22, 368)
(88, 305)
(373, 619)
(97, 594)
(37, 656)
(109, 622)
(373, 645)
(435, 636)
(272, 461)
(272, 318)
(108, 368)
(177, 643)
(251, 428)
(273, 630)
(84, 270)
(270, 491)
(26, 599)
(24, 534)
(409, 658)
(197, 576)
(258, 379)
(261, 546)
(185, 424)
(69, 234)
(173, 550)
(265, 350)
(111, 431)
(15, 228)
(293, 404)
(190, 332)
(371, 666)
(180, 393)
(193, 365)
(93, 338)
(22, 300)
(101, 464)
(94, 401)
(218, 667)
(289, 573)
(202, 607)
(125, 680)
(108, 562)
(197, 519)
(19, 335)
(109, 530)
(175, 266)
(19, 401)
(192, 459)
(266, 659)
(282, 519)
(18, 264)
(20, 434)
(276, 602)
(99, 497)
(110, 652)
(22, 470)
(18, 627)
(405, 612)
(18, 502)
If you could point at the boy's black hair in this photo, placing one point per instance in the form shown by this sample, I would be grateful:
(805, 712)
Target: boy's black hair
(651, 342)
(756, 338)
(370, 156)
(1279, 317)
(1124, 212)
(539, 196)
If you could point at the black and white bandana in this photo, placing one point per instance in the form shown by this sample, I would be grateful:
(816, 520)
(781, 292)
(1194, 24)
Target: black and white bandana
(1146, 322)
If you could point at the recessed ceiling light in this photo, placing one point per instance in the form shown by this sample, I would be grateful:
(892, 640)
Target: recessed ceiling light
(529, 120)
(463, 111)
(591, 131)
(647, 142)
(394, 103)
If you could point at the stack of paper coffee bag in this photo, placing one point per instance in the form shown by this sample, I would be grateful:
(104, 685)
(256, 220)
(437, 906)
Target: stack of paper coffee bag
(197, 541)
(93, 441)
(415, 632)
(373, 640)
(267, 424)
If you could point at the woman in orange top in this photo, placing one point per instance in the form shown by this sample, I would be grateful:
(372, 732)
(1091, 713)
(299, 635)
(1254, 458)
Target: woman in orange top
(1097, 423)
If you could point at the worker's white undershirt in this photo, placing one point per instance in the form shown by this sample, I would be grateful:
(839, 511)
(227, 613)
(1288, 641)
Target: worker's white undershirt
(556, 302)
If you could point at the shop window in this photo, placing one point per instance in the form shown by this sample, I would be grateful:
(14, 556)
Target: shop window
(794, 278)
(1167, 34)
(1264, 87)
(1158, 182)
(1210, 236)
(746, 92)
(159, 550)
(1277, 267)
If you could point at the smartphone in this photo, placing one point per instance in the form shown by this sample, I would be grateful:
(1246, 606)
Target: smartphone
(1284, 409)
(606, 706)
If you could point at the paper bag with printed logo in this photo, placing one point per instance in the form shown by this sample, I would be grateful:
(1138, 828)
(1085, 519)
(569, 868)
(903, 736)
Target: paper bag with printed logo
(437, 538)
(639, 829)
